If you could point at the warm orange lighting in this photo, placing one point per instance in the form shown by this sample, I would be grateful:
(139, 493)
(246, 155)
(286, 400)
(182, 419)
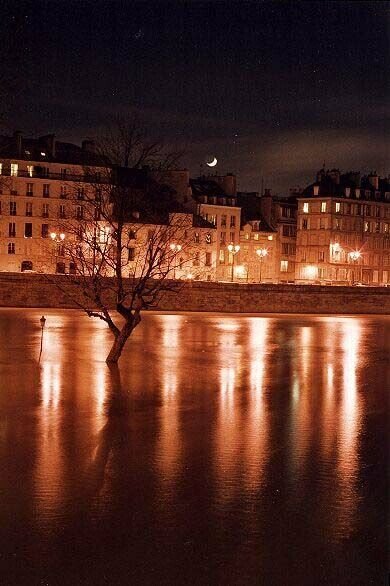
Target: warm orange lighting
(261, 252)
(354, 255)
(233, 248)
(310, 272)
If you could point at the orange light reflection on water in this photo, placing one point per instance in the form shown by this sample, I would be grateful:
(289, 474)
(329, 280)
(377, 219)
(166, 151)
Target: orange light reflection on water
(257, 425)
(169, 442)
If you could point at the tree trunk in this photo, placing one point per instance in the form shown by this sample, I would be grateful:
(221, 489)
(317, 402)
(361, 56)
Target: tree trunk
(121, 339)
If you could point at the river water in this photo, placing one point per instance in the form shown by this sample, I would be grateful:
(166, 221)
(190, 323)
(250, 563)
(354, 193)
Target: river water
(225, 450)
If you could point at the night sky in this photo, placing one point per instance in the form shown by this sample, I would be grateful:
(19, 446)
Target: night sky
(273, 90)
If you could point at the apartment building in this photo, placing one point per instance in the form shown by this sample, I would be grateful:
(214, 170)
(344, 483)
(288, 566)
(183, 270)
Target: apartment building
(343, 230)
(216, 199)
(50, 189)
(257, 259)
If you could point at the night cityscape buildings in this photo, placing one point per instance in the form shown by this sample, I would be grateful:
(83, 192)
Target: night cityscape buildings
(194, 293)
(335, 231)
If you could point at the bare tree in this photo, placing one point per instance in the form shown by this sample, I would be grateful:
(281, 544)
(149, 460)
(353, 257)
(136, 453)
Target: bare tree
(125, 237)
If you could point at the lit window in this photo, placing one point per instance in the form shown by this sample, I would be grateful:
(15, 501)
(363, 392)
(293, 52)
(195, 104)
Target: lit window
(14, 169)
(283, 266)
(1, 168)
(306, 207)
(221, 257)
(255, 236)
(338, 207)
(323, 206)
(270, 237)
(30, 170)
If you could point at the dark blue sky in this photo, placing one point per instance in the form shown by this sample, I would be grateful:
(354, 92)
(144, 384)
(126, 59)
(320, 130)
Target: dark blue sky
(271, 89)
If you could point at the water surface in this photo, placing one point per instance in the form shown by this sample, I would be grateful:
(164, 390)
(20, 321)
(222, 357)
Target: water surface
(225, 450)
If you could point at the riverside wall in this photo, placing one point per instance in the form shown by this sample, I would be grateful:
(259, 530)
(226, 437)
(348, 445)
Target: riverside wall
(33, 290)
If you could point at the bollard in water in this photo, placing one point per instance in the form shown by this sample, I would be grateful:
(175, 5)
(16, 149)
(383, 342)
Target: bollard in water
(42, 321)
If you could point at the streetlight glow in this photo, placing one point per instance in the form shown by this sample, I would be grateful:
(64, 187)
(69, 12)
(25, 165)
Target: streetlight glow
(261, 253)
(233, 249)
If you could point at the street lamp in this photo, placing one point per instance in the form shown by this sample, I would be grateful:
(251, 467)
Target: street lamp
(58, 239)
(233, 249)
(175, 248)
(261, 253)
(354, 257)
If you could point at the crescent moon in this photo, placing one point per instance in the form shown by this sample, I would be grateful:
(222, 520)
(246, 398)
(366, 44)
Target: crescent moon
(213, 162)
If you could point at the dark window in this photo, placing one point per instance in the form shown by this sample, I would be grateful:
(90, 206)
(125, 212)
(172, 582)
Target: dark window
(72, 268)
(46, 190)
(131, 255)
(29, 191)
(208, 259)
(27, 265)
(60, 268)
(304, 224)
(12, 229)
(11, 248)
(132, 235)
(12, 208)
(28, 230)
(45, 230)
(79, 213)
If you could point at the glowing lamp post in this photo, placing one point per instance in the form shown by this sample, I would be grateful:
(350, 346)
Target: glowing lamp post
(233, 249)
(354, 258)
(261, 253)
(175, 249)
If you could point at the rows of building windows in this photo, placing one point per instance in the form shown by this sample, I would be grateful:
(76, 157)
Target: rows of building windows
(345, 224)
(345, 208)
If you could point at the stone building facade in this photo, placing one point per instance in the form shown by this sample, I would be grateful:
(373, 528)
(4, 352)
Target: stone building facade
(343, 230)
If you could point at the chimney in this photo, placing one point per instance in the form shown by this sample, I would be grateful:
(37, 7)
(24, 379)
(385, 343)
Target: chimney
(18, 142)
(49, 140)
(374, 180)
(227, 183)
(266, 205)
(334, 174)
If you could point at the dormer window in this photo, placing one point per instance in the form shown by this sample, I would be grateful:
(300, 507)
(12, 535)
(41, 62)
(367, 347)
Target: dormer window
(306, 207)
(14, 169)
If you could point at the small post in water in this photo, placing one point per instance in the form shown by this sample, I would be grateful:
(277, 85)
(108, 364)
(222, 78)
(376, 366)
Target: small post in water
(42, 321)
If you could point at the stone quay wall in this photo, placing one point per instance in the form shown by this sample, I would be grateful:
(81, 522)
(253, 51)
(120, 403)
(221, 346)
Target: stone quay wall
(33, 290)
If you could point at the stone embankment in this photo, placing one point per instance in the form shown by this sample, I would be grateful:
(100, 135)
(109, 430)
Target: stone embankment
(33, 290)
